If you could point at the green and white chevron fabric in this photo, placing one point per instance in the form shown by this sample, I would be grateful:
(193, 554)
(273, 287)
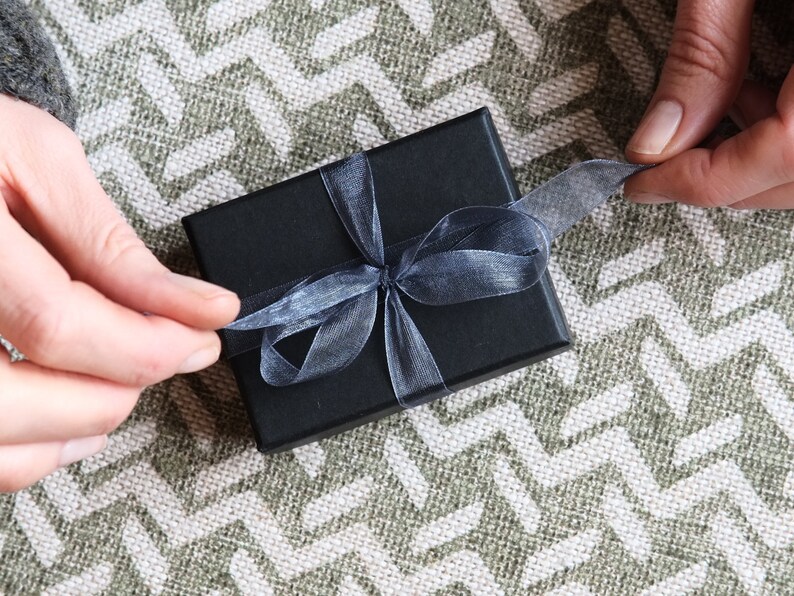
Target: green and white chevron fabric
(657, 457)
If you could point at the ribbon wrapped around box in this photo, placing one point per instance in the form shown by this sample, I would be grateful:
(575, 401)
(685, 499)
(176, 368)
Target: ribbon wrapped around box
(357, 334)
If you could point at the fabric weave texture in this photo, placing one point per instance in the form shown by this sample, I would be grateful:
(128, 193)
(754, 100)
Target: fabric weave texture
(657, 457)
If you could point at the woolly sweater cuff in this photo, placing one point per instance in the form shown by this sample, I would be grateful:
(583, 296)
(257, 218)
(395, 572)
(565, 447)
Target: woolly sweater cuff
(29, 67)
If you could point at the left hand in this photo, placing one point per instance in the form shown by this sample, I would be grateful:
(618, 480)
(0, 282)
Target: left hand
(75, 281)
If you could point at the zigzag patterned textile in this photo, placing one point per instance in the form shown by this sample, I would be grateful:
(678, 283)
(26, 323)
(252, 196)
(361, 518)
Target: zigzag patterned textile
(657, 457)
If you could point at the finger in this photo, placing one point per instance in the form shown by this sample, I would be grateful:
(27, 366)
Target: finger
(752, 162)
(66, 325)
(61, 202)
(780, 197)
(753, 104)
(785, 99)
(702, 74)
(714, 141)
(23, 465)
(41, 405)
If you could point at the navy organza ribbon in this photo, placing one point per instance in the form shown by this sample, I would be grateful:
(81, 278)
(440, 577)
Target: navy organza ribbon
(472, 253)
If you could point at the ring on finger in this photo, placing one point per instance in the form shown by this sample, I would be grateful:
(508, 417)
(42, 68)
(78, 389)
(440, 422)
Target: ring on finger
(13, 354)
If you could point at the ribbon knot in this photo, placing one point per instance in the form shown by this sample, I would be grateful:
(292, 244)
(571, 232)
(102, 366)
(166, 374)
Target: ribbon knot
(471, 253)
(386, 280)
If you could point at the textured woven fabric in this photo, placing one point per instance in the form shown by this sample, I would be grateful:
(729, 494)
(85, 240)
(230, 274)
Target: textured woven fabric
(657, 455)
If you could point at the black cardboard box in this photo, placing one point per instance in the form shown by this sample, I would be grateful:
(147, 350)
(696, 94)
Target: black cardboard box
(286, 232)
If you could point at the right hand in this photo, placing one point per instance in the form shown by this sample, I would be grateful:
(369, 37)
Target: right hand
(74, 282)
(703, 79)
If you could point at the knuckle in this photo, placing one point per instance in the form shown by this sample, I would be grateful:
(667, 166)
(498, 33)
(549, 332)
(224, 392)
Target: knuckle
(111, 416)
(118, 242)
(46, 131)
(697, 49)
(66, 140)
(149, 370)
(703, 190)
(43, 331)
(63, 145)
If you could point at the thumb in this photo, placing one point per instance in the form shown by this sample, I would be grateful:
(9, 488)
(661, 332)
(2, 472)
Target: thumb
(705, 66)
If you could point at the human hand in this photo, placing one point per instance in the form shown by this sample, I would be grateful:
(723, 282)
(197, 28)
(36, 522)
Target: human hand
(702, 81)
(74, 280)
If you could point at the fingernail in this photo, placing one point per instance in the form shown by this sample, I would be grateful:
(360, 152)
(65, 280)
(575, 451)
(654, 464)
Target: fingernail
(199, 360)
(77, 449)
(649, 198)
(204, 289)
(657, 128)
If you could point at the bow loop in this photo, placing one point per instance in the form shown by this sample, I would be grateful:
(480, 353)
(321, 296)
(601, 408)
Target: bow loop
(352, 320)
(352, 190)
(313, 297)
(474, 253)
(340, 305)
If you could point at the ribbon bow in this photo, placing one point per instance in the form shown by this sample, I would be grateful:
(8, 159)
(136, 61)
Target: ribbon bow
(471, 253)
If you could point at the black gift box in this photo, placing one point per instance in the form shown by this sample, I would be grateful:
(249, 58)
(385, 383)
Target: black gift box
(286, 232)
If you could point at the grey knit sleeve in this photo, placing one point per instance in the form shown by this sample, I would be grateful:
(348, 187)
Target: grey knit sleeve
(29, 67)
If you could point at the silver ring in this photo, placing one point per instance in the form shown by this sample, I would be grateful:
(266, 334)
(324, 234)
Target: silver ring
(13, 354)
